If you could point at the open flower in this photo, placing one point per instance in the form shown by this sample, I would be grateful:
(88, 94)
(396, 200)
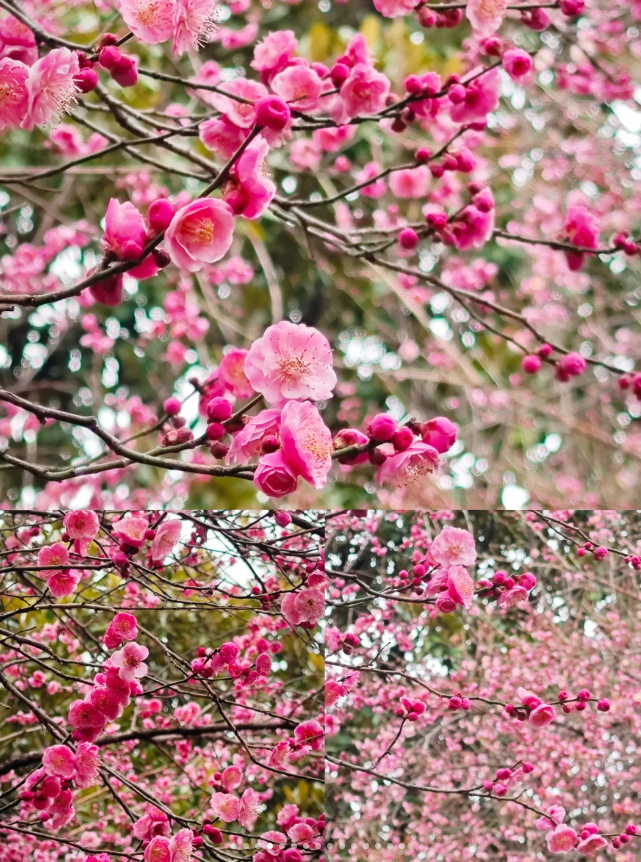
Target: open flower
(151, 21)
(225, 806)
(51, 87)
(130, 661)
(306, 442)
(454, 547)
(200, 233)
(291, 361)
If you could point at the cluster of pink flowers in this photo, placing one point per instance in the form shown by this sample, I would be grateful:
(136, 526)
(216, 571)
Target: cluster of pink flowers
(48, 790)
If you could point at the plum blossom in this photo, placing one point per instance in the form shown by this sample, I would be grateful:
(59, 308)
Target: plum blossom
(225, 806)
(542, 715)
(485, 16)
(454, 547)
(50, 87)
(410, 466)
(63, 583)
(53, 555)
(249, 191)
(291, 361)
(395, 8)
(166, 538)
(247, 443)
(81, 524)
(365, 91)
(299, 85)
(130, 661)
(194, 22)
(274, 476)
(562, 839)
(460, 586)
(131, 530)
(13, 92)
(248, 809)
(200, 233)
(87, 765)
(158, 849)
(151, 21)
(306, 606)
(59, 760)
(306, 442)
(123, 627)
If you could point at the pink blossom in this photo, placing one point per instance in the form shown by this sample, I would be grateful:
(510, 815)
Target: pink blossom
(125, 236)
(376, 189)
(53, 555)
(395, 8)
(485, 16)
(306, 442)
(454, 547)
(17, 41)
(247, 443)
(248, 809)
(471, 229)
(84, 715)
(59, 760)
(300, 833)
(232, 776)
(542, 715)
(200, 233)
(591, 844)
(513, 597)
(306, 153)
(166, 539)
(274, 476)
(158, 849)
(225, 806)
(365, 91)
(181, 846)
(556, 812)
(517, 63)
(410, 182)
(231, 373)
(131, 530)
(291, 361)
(299, 85)
(63, 583)
(62, 810)
(310, 732)
(306, 606)
(249, 191)
(13, 92)
(194, 22)
(130, 661)
(275, 51)
(81, 524)
(562, 839)
(410, 466)
(460, 585)
(582, 229)
(239, 113)
(50, 87)
(151, 21)
(481, 97)
(108, 701)
(87, 765)
(123, 627)
(221, 137)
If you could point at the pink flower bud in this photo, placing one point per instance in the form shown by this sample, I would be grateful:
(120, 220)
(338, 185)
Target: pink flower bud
(382, 427)
(219, 409)
(86, 80)
(531, 363)
(272, 113)
(160, 213)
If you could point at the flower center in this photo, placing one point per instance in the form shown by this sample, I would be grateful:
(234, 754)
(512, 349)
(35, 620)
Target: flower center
(292, 368)
(198, 230)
